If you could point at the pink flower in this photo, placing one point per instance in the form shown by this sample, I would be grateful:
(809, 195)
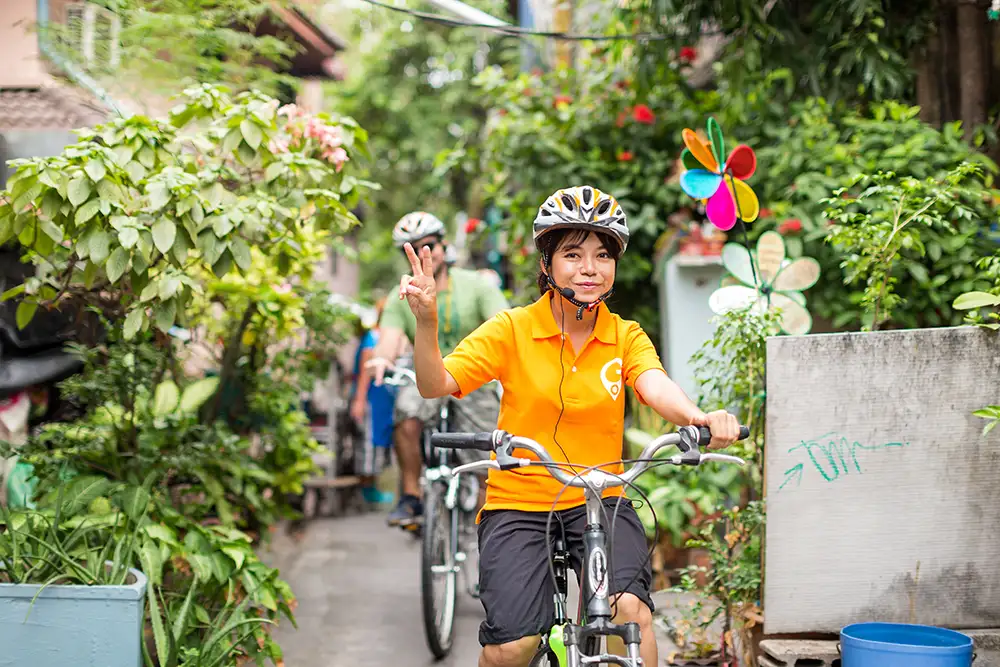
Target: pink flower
(290, 110)
(278, 145)
(337, 155)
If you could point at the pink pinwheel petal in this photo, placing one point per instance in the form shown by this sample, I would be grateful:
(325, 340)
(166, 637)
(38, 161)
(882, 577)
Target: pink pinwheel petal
(721, 209)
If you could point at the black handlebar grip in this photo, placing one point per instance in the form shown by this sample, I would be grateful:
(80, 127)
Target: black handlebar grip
(705, 436)
(481, 441)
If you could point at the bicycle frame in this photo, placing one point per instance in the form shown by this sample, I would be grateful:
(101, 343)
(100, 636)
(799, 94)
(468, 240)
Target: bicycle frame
(594, 575)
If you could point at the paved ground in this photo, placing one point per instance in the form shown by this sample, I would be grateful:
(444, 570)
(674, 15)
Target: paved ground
(358, 590)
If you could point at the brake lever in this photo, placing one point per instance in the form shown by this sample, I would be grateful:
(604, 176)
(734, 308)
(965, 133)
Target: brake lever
(505, 451)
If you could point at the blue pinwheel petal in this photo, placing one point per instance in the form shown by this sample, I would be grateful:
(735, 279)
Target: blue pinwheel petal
(700, 183)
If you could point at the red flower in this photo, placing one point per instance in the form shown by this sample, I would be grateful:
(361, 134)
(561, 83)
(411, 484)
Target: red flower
(766, 213)
(687, 54)
(525, 250)
(471, 224)
(625, 156)
(620, 121)
(561, 101)
(643, 114)
(792, 226)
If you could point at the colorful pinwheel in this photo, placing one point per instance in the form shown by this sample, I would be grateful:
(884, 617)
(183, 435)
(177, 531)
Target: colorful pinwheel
(780, 282)
(727, 194)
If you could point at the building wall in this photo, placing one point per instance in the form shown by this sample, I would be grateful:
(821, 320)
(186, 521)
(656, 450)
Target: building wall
(22, 67)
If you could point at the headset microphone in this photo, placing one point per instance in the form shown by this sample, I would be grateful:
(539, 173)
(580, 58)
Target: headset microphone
(570, 295)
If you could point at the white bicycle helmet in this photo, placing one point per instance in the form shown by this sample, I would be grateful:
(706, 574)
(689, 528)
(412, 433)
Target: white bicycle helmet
(582, 207)
(414, 226)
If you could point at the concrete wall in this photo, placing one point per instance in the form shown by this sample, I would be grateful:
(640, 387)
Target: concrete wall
(882, 493)
(31, 143)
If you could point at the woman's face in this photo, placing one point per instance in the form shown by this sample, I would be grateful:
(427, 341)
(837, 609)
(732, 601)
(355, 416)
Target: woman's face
(585, 266)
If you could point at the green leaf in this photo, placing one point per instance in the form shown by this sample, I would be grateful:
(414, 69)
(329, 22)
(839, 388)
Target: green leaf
(25, 312)
(152, 563)
(164, 233)
(99, 245)
(95, 169)
(231, 141)
(238, 555)
(87, 211)
(133, 322)
(166, 315)
(117, 264)
(246, 154)
(136, 172)
(224, 263)
(159, 195)
(147, 157)
(149, 291)
(79, 190)
(160, 532)
(196, 393)
(128, 237)
(134, 502)
(971, 300)
(274, 170)
(241, 253)
(165, 398)
(12, 292)
(51, 230)
(251, 134)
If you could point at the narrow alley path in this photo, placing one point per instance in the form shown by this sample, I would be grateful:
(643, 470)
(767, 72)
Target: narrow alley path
(358, 589)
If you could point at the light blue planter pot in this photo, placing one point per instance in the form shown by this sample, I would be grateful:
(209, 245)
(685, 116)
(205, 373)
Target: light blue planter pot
(82, 626)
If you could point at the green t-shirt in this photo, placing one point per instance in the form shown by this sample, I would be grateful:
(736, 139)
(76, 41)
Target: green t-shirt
(460, 311)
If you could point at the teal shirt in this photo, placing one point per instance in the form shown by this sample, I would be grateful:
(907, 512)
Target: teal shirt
(470, 300)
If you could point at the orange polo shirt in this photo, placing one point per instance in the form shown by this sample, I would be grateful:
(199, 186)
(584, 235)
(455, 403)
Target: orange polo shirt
(520, 348)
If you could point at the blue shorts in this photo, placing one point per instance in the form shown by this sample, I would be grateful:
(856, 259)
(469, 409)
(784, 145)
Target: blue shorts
(380, 405)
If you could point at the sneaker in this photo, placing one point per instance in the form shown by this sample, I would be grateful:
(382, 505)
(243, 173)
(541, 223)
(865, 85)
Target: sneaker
(375, 496)
(407, 512)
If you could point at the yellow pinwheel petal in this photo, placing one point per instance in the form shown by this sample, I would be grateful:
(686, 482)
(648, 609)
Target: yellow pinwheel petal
(747, 204)
(699, 150)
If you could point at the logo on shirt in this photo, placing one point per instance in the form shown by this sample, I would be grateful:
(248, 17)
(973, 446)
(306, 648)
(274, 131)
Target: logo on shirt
(611, 377)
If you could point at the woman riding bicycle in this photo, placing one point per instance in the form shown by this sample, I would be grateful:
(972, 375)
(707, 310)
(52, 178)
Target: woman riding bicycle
(562, 362)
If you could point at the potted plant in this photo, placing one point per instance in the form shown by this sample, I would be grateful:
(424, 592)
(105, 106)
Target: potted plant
(67, 588)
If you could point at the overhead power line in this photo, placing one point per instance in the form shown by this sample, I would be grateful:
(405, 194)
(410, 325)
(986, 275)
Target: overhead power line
(516, 31)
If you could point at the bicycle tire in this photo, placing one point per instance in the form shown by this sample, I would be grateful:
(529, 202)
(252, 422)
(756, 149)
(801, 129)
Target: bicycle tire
(438, 548)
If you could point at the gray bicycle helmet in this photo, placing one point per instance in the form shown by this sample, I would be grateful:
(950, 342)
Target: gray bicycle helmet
(414, 226)
(582, 207)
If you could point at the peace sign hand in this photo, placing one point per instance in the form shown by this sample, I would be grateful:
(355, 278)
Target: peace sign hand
(420, 289)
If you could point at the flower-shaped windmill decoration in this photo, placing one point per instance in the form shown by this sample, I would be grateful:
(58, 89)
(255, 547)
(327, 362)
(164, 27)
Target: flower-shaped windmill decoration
(712, 176)
(780, 285)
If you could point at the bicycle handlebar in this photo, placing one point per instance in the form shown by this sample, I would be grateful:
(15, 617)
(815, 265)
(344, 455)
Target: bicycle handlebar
(687, 439)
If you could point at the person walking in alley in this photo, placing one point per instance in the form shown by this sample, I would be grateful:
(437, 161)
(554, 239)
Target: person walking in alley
(371, 409)
(466, 300)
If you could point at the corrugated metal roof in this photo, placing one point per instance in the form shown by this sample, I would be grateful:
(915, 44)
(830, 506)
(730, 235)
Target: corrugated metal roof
(48, 108)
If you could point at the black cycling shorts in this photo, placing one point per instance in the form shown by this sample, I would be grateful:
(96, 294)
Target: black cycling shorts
(515, 585)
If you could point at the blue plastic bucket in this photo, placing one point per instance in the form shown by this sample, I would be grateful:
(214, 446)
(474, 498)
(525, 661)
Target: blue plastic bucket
(903, 645)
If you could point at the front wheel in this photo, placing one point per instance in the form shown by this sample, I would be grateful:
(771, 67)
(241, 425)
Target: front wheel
(438, 572)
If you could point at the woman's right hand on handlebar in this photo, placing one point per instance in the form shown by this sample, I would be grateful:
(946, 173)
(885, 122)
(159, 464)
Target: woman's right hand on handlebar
(725, 428)
(420, 289)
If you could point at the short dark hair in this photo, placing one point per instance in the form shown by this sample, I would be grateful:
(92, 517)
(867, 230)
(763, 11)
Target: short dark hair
(552, 241)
